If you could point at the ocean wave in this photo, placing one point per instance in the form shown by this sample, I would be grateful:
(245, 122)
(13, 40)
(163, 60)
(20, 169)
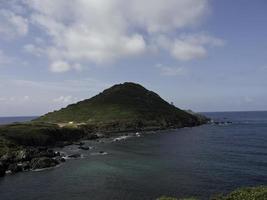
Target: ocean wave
(98, 153)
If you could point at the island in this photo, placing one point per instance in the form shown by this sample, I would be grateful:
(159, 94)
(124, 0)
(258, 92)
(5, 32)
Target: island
(122, 108)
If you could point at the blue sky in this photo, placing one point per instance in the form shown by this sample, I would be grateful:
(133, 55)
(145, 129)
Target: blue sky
(205, 55)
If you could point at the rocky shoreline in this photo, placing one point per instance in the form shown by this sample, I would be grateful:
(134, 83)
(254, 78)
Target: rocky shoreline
(28, 155)
(26, 159)
(38, 158)
(29, 159)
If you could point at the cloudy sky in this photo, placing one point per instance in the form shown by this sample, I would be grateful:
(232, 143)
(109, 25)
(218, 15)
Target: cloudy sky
(206, 55)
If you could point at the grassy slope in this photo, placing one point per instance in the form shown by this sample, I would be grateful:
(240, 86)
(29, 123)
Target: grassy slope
(14, 136)
(123, 102)
(252, 193)
(120, 108)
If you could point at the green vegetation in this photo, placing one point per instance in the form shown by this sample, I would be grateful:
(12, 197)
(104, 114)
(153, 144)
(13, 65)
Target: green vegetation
(166, 198)
(35, 134)
(172, 198)
(7, 146)
(127, 104)
(250, 193)
(121, 108)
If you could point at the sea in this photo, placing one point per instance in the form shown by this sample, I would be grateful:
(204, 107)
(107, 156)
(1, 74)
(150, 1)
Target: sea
(189, 162)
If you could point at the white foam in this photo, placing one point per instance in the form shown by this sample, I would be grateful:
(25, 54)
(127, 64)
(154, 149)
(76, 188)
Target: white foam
(98, 154)
(47, 168)
(121, 138)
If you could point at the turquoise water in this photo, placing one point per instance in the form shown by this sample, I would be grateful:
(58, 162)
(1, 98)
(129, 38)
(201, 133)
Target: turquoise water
(199, 162)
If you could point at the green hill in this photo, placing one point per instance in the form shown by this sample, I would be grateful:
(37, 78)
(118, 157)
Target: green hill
(127, 103)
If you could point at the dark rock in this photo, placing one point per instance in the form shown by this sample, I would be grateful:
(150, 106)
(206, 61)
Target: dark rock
(25, 166)
(43, 162)
(40, 152)
(14, 168)
(84, 148)
(2, 169)
(93, 136)
(77, 155)
(60, 159)
(22, 155)
(57, 154)
(49, 153)
(42, 148)
(78, 143)
(8, 158)
(62, 144)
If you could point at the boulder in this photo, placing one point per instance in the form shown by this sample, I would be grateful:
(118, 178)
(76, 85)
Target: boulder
(14, 168)
(78, 143)
(93, 136)
(43, 162)
(76, 155)
(23, 155)
(46, 153)
(62, 144)
(8, 158)
(84, 148)
(25, 166)
(60, 159)
(2, 169)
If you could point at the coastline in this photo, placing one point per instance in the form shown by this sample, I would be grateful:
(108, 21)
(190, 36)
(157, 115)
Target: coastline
(25, 158)
(91, 162)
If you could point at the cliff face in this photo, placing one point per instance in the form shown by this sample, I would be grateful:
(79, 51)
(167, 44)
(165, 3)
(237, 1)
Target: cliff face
(128, 104)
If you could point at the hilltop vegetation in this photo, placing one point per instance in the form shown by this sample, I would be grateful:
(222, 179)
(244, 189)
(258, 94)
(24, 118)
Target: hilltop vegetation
(126, 104)
(121, 108)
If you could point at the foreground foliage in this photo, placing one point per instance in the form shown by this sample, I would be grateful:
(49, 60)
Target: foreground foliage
(172, 198)
(250, 193)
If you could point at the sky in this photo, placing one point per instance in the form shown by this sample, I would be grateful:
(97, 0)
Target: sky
(204, 55)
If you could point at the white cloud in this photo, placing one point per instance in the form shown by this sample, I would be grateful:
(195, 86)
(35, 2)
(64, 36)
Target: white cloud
(184, 51)
(193, 46)
(170, 71)
(100, 31)
(165, 15)
(60, 66)
(65, 99)
(18, 99)
(12, 25)
(33, 49)
(187, 47)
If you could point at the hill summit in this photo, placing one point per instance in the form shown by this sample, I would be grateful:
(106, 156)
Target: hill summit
(129, 104)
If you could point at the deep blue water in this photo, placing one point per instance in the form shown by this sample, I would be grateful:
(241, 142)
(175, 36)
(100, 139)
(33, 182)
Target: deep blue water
(199, 162)
(8, 120)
